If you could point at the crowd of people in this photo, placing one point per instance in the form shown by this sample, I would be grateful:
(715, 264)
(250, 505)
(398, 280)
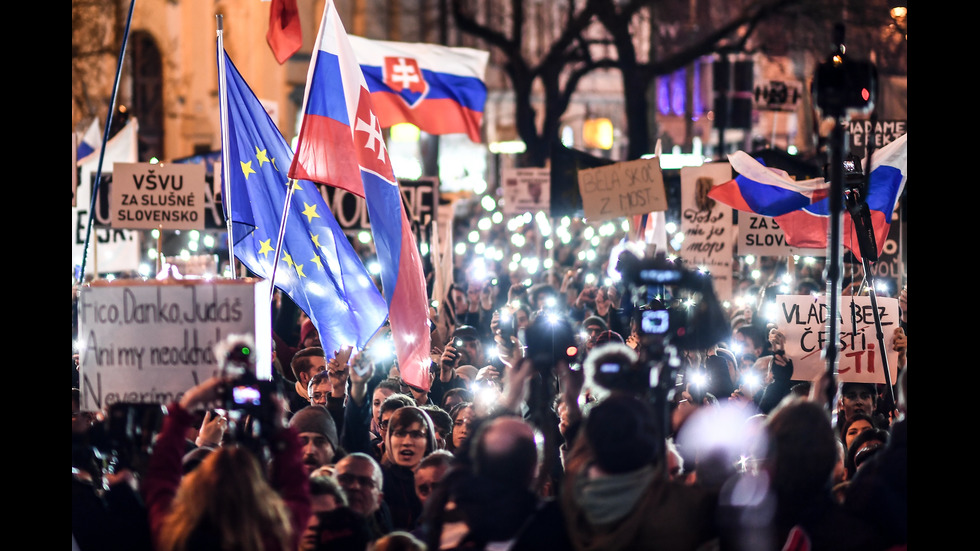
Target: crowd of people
(611, 443)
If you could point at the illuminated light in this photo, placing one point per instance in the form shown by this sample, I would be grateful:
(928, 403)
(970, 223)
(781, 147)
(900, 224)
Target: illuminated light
(865, 94)
(590, 255)
(726, 304)
(364, 237)
(473, 236)
(110, 277)
(670, 227)
(566, 239)
(581, 255)
(516, 257)
(784, 289)
(184, 254)
(588, 233)
(543, 223)
(596, 241)
(736, 348)
(756, 274)
(374, 268)
(209, 241)
(480, 248)
(590, 279)
(598, 133)
(514, 224)
(528, 282)
(194, 235)
(155, 233)
(571, 351)
(881, 285)
(488, 203)
(787, 278)
(518, 239)
(565, 221)
(809, 261)
(552, 318)
(750, 259)
(690, 302)
(154, 160)
(152, 254)
(679, 237)
(405, 132)
(625, 226)
(792, 150)
(548, 263)
(192, 246)
(497, 217)
(460, 248)
(699, 379)
(770, 311)
(549, 244)
(145, 270)
(484, 224)
(527, 217)
(424, 248)
(703, 269)
(511, 147)
(567, 136)
(513, 266)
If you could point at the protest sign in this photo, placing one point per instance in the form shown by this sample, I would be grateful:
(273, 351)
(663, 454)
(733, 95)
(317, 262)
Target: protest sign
(707, 224)
(762, 236)
(148, 196)
(622, 189)
(803, 319)
(150, 341)
(526, 190)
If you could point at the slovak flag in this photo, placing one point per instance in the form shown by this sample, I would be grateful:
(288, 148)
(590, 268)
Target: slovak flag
(767, 191)
(437, 88)
(340, 144)
(808, 226)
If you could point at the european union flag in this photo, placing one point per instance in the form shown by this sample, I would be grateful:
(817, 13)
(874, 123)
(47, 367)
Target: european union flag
(318, 268)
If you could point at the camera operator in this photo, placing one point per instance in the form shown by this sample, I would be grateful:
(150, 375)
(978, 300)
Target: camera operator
(226, 502)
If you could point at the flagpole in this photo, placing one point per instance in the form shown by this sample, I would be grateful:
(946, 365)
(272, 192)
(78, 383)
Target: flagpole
(225, 158)
(282, 233)
(105, 140)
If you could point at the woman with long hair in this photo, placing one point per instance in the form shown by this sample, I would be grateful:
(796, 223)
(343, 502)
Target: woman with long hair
(227, 502)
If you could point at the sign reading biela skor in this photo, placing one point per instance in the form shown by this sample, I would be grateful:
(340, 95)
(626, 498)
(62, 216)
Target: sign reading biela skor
(149, 196)
(803, 319)
(149, 342)
(622, 189)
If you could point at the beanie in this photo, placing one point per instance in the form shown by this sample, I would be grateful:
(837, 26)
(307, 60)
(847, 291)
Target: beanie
(595, 320)
(316, 419)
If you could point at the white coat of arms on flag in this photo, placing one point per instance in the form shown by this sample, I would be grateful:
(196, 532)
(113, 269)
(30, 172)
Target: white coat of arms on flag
(403, 76)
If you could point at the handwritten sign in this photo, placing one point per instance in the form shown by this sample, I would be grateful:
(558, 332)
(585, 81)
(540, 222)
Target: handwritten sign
(803, 319)
(762, 236)
(148, 196)
(150, 341)
(622, 189)
(707, 224)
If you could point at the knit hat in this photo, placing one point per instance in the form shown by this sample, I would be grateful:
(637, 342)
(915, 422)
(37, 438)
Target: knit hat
(316, 419)
(466, 332)
(595, 320)
(306, 329)
(467, 372)
(623, 434)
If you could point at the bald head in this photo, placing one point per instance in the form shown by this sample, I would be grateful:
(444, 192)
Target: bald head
(506, 451)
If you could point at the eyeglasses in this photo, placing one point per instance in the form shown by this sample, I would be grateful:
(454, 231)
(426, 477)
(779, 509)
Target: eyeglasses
(349, 479)
(413, 434)
(319, 397)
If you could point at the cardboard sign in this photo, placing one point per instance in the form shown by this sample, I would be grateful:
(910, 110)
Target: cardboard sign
(150, 341)
(148, 196)
(803, 319)
(707, 225)
(762, 236)
(622, 189)
(526, 190)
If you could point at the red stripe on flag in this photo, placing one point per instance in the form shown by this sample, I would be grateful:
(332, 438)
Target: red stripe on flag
(437, 116)
(330, 145)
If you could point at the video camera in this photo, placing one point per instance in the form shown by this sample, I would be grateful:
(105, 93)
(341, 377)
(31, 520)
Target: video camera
(122, 440)
(247, 399)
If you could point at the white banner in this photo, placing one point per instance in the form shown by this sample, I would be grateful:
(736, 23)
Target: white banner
(803, 319)
(150, 341)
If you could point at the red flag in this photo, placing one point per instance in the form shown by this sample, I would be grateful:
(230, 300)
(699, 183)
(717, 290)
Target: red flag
(285, 35)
